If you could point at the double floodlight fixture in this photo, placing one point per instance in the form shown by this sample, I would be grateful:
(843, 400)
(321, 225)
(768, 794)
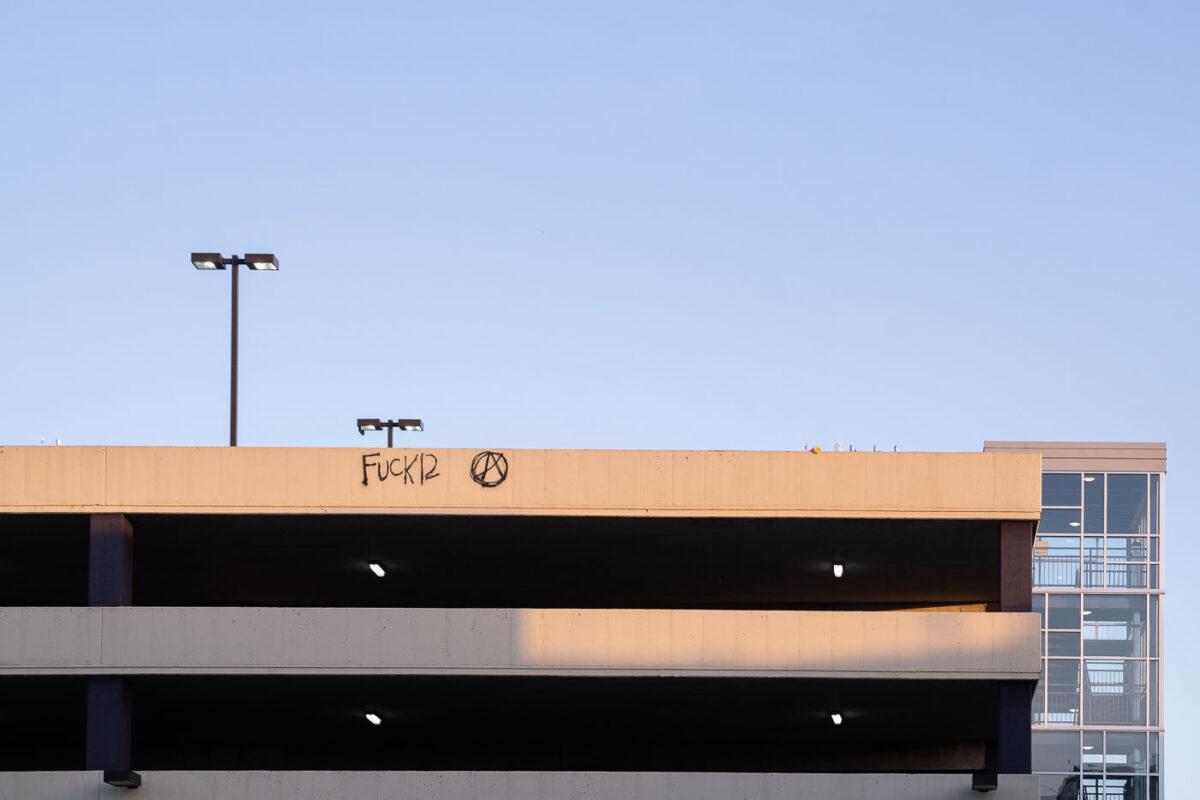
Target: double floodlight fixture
(257, 262)
(365, 425)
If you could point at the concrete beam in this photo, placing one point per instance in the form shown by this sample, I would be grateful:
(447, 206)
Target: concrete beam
(609, 642)
(513, 786)
(650, 483)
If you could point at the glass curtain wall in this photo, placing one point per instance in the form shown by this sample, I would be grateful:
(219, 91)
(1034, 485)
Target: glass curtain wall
(1096, 563)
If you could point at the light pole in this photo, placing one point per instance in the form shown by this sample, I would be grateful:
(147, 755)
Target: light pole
(255, 261)
(365, 425)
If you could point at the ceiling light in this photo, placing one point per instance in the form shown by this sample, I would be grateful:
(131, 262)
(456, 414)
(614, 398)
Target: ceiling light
(1085, 613)
(836, 717)
(1087, 747)
(374, 719)
(838, 569)
(1074, 524)
(1089, 479)
(377, 569)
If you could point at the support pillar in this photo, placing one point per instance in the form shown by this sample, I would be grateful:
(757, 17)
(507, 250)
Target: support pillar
(1014, 745)
(109, 745)
(109, 723)
(1012, 753)
(1016, 566)
(110, 561)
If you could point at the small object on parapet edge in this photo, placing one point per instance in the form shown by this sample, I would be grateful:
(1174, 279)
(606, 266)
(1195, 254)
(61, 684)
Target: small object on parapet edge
(984, 781)
(122, 777)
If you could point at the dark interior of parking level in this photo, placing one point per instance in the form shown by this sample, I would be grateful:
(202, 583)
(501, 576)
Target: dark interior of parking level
(439, 722)
(514, 561)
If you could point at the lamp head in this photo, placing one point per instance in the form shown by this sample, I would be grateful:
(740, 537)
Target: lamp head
(208, 261)
(261, 261)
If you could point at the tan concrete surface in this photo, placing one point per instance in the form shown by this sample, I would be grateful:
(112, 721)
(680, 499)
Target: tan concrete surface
(594, 482)
(510, 786)
(519, 641)
(1091, 456)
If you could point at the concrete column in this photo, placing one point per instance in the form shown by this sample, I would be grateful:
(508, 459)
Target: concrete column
(1014, 748)
(109, 700)
(109, 723)
(110, 561)
(1016, 566)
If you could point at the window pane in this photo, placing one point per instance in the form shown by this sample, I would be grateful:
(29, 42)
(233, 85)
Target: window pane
(1154, 752)
(1062, 643)
(1126, 576)
(1126, 752)
(1060, 489)
(1154, 548)
(1153, 625)
(1154, 692)
(1093, 503)
(1056, 787)
(1113, 788)
(1063, 611)
(1059, 520)
(1154, 504)
(1039, 699)
(1153, 576)
(1039, 606)
(1062, 692)
(1127, 548)
(1056, 561)
(1093, 751)
(1093, 562)
(1114, 625)
(1127, 504)
(1055, 752)
(1114, 692)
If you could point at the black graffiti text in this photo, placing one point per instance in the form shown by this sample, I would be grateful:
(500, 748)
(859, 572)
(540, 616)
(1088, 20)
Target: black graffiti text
(419, 468)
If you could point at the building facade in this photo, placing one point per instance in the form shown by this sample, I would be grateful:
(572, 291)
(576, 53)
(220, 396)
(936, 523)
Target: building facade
(298, 623)
(1098, 722)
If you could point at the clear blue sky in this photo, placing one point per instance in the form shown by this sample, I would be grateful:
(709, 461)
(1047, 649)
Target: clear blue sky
(613, 225)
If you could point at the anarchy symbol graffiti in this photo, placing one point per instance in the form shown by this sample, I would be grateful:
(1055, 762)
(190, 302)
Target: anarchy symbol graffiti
(489, 468)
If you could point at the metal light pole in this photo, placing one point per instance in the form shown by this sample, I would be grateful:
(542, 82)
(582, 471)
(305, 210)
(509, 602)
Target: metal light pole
(255, 261)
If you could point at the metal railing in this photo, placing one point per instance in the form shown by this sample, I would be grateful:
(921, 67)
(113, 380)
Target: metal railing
(1067, 571)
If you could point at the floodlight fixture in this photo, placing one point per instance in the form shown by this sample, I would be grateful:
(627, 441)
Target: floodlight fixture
(374, 719)
(260, 261)
(836, 716)
(377, 569)
(838, 569)
(208, 261)
(213, 261)
(365, 425)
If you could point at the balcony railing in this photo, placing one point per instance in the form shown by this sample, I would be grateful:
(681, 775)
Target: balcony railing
(1067, 571)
